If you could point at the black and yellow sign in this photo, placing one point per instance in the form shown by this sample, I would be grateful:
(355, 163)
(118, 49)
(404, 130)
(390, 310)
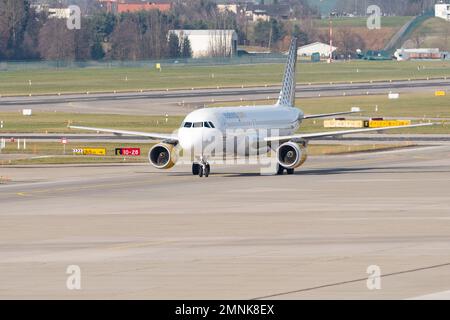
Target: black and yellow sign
(90, 151)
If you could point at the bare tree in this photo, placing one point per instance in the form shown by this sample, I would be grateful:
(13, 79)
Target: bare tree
(126, 41)
(418, 38)
(220, 43)
(348, 42)
(56, 42)
(13, 15)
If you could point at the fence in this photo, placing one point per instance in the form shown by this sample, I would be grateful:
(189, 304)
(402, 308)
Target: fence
(39, 65)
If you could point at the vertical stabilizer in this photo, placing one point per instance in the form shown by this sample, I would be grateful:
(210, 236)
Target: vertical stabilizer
(287, 93)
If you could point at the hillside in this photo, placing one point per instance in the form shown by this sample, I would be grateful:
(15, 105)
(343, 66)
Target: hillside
(374, 39)
(433, 33)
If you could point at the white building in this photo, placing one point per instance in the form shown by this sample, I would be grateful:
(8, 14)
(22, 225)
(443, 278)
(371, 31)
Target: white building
(210, 43)
(260, 15)
(442, 10)
(322, 48)
(228, 7)
(59, 13)
(417, 54)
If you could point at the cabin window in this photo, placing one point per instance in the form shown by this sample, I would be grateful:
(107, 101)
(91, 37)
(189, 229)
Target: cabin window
(187, 124)
(198, 124)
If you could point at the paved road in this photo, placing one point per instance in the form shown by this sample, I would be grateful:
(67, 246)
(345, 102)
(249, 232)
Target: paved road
(140, 233)
(184, 101)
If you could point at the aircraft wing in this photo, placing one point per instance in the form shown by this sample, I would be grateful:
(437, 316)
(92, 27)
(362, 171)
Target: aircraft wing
(154, 136)
(309, 136)
(324, 115)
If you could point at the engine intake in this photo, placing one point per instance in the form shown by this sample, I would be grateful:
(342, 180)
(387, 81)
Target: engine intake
(291, 155)
(163, 156)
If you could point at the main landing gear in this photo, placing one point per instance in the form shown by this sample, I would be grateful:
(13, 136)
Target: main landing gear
(280, 170)
(201, 169)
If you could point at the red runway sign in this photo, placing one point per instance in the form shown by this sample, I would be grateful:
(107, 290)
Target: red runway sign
(134, 152)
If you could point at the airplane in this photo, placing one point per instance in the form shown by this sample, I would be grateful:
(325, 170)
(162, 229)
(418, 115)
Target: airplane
(201, 126)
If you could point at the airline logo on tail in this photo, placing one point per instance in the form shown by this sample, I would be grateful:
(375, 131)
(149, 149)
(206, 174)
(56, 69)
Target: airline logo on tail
(287, 93)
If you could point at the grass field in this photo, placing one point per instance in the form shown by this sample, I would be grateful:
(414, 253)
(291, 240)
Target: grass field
(433, 33)
(375, 39)
(421, 106)
(52, 152)
(56, 122)
(53, 81)
(325, 7)
(409, 105)
(343, 22)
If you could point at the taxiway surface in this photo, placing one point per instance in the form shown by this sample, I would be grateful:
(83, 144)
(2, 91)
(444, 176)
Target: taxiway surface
(136, 232)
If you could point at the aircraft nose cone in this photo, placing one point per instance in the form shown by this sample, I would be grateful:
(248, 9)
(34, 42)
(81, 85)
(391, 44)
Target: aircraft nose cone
(191, 140)
(185, 139)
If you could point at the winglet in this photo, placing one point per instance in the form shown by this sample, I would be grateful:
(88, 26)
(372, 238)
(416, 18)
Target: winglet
(287, 93)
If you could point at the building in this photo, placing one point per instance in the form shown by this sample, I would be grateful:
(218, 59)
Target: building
(442, 10)
(259, 15)
(121, 6)
(257, 12)
(232, 7)
(317, 47)
(210, 43)
(59, 13)
(418, 54)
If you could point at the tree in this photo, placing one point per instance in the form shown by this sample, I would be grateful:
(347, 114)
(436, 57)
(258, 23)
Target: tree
(97, 52)
(13, 18)
(302, 36)
(29, 48)
(261, 33)
(82, 41)
(186, 51)
(174, 46)
(277, 31)
(348, 42)
(125, 40)
(267, 33)
(418, 38)
(56, 42)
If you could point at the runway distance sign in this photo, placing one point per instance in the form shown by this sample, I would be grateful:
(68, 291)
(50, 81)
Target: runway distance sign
(133, 152)
(90, 151)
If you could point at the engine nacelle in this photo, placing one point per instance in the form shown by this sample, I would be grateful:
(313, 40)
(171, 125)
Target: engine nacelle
(291, 155)
(163, 156)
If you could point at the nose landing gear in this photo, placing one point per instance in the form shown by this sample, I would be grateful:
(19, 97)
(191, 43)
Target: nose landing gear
(201, 169)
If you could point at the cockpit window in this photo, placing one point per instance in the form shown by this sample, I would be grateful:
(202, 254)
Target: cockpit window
(206, 124)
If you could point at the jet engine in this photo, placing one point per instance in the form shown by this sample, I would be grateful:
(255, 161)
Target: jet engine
(291, 155)
(163, 156)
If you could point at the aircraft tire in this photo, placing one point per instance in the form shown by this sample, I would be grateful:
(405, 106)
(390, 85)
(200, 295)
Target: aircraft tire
(195, 168)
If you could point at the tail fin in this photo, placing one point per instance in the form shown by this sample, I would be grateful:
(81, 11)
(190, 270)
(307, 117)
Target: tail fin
(287, 93)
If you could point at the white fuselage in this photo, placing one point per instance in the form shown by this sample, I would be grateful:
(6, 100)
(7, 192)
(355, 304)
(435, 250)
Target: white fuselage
(202, 126)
